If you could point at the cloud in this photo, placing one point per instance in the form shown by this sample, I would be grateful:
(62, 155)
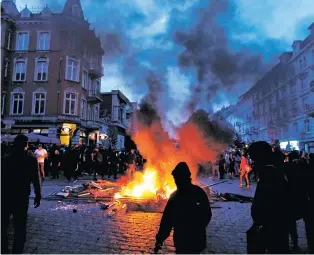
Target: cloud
(274, 19)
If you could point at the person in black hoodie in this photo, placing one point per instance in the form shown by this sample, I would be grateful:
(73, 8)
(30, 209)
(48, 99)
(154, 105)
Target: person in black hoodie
(21, 169)
(271, 208)
(188, 212)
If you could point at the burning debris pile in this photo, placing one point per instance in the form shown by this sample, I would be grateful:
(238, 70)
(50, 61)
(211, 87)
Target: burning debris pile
(198, 141)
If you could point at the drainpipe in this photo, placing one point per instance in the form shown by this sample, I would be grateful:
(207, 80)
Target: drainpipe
(59, 85)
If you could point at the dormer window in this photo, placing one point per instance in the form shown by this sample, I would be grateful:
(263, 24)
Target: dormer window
(26, 13)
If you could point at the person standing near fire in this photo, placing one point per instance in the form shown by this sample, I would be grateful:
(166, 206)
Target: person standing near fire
(131, 159)
(21, 169)
(188, 212)
(41, 154)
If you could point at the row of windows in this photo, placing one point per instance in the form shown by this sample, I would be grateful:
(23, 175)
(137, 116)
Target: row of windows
(41, 70)
(302, 65)
(22, 40)
(39, 104)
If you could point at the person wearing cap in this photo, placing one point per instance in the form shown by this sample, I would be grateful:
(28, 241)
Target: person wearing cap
(41, 154)
(18, 171)
(188, 212)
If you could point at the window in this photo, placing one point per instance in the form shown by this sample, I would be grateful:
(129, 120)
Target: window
(304, 62)
(89, 112)
(83, 109)
(41, 72)
(293, 89)
(17, 101)
(85, 80)
(19, 70)
(43, 42)
(301, 66)
(9, 41)
(73, 69)
(39, 103)
(305, 104)
(22, 41)
(70, 101)
(3, 102)
(97, 86)
(307, 126)
(302, 84)
(6, 68)
(96, 113)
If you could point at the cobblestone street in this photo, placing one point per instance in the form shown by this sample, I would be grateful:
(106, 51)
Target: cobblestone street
(55, 228)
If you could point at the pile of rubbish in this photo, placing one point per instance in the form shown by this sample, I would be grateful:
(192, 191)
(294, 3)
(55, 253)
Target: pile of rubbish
(91, 191)
(103, 191)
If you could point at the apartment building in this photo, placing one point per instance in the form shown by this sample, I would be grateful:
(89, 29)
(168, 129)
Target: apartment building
(116, 109)
(281, 104)
(51, 75)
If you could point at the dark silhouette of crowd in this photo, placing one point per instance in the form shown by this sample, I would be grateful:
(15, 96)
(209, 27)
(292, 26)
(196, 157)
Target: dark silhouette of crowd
(284, 194)
(79, 160)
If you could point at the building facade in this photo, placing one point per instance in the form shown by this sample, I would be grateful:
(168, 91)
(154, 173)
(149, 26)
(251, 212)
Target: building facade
(116, 110)
(51, 75)
(281, 104)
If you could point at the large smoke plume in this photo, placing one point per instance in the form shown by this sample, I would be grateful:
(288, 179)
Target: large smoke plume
(205, 49)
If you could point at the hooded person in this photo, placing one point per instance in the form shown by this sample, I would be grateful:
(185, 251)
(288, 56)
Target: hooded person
(271, 208)
(188, 212)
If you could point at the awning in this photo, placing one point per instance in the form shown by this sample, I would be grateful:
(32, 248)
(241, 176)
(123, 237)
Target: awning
(32, 137)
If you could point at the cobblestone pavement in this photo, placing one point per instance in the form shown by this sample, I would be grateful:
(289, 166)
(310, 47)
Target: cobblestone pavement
(55, 228)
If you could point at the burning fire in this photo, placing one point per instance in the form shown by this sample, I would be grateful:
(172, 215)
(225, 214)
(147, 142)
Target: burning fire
(147, 185)
(163, 155)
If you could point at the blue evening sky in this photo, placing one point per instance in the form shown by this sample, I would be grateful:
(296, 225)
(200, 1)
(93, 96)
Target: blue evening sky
(173, 39)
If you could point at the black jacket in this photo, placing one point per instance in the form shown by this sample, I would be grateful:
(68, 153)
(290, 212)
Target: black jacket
(188, 212)
(18, 172)
(271, 205)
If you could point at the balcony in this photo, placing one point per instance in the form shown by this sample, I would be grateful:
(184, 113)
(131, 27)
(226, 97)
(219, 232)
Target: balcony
(94, 97)
(309, 110)
(95, 71)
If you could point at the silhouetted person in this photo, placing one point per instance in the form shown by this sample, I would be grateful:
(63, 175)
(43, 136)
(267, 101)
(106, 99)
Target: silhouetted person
(71, 162)
(18, 171)
(298, 174)
(271, 209)
(188, 212)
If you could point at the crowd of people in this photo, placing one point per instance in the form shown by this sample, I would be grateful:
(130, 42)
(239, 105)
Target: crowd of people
(284, 193)
(73, 162)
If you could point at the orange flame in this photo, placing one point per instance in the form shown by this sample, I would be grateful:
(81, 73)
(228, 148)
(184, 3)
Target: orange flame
(162, 156)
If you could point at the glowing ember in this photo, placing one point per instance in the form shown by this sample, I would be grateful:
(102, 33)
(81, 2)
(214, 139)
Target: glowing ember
(147, 185)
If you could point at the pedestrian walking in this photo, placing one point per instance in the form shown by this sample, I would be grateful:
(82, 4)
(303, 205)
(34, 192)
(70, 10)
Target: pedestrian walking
(245, 169)
(99, 164)
(21, 169)
(41, 154)
(188, 212)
